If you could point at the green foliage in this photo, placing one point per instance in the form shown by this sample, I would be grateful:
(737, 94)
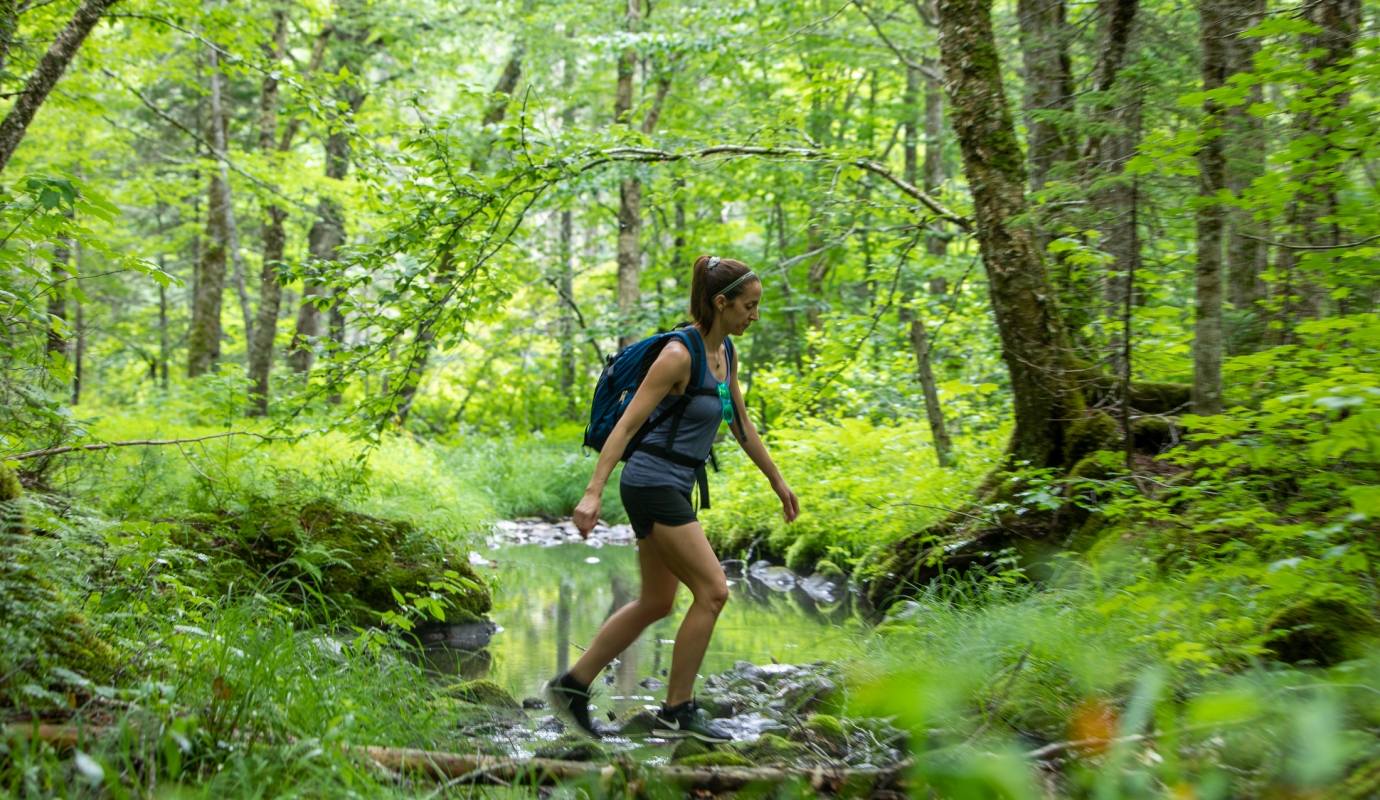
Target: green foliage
(861, 486)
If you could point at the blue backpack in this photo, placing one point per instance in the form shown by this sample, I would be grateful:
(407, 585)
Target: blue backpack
(623, 373)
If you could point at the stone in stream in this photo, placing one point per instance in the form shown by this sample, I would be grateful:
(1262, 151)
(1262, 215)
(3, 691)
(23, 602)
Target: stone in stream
(805, 696)
(820, 588)
(483, 692)
(776, 578)
(651, 684)
(533, 702)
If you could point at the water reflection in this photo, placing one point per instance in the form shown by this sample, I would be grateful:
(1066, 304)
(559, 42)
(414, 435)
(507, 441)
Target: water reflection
(549, 600)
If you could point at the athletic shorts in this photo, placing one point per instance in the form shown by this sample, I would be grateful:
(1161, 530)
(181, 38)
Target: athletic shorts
(647, 505)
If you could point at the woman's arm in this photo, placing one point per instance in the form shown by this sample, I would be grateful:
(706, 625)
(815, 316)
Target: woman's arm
(670, 369)
(746, 433)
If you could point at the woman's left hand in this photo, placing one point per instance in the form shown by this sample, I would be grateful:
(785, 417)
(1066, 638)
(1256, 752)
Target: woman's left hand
(790, 504)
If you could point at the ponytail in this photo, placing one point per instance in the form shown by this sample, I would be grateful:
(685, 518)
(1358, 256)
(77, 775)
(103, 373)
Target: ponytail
(713, 276)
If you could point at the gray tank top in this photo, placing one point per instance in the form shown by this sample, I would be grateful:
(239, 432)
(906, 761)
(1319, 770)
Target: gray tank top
(695, 436)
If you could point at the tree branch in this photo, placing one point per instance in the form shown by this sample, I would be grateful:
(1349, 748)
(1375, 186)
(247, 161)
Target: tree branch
(69, 448)
(648, 154)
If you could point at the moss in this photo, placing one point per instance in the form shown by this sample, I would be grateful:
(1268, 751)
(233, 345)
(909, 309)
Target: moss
(689, 748)
(828, 568)
(1160, 397)
(483, 692)
(804, 552)
(356, 561)
(1086, 435)
(1320, 631)
(772, 749)
(570, 748)
(1152, 434)
(1090, 467)
(824, 729)
(718, 758)
(10, 488)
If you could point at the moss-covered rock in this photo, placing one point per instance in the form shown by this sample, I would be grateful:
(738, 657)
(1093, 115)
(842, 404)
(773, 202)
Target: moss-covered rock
(1152, 434)
(773, 749)
(1322, 631)
(717, 758)
(688, 748)
(828, 569)
(826, 727)
(355, 561)
(483, 691)
(805, 551)
(1086, 435)
(570, 748)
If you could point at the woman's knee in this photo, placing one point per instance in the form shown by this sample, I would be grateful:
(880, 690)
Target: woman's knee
(714, 596)
(657, 607)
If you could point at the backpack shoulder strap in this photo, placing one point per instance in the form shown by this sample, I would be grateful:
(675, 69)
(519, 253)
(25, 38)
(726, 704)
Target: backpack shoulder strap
(695, 344)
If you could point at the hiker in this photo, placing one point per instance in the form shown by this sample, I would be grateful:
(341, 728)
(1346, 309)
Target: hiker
(684, 410)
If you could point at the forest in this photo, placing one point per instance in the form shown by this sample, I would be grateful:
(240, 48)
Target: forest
(1068, 344)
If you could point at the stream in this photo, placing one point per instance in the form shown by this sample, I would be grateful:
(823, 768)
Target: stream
(552, 592)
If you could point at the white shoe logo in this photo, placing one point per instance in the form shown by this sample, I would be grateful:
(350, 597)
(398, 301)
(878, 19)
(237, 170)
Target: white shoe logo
(673, 724)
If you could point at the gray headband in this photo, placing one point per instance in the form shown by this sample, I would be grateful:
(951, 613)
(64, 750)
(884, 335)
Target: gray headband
(731, 286)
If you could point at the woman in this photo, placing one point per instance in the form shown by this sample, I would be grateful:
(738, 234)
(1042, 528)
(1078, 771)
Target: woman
(672, 548)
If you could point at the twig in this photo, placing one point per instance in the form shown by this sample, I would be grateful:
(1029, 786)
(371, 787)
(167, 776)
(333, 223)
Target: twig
(806, 153)
(1343, 246)
(68, 448)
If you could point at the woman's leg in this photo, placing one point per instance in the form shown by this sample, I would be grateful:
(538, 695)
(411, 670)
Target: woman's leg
(627, 623)
(686, 553)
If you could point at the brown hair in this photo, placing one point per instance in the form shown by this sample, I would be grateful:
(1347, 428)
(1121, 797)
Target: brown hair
(708, 282)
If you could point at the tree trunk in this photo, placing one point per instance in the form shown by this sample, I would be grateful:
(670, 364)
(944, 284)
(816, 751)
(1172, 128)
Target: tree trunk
(936, 244)
(911, 124)
(164, 346)
(9, 27)
(1244, 135)
(203, 339)
(919, 342)
(629, 189)
(219, 124)
(1035, 343)
(1321, 173)
(1049, 83)
(45, 75)
(79, 331)
(58, 329)
(566, 323)
(1211, 216)
(260, 355)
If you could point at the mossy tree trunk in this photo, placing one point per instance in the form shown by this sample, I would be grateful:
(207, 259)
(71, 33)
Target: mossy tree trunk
(1045, 380)
(1051, 388)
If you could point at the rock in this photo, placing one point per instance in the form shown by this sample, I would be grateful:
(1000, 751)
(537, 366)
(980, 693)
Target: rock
(772, 749)
(720, 706)
(467, 636)
(717, 758)
(747, 671)
(483, 692)
(772, 671)
(635, 722)
(651, 684)
(777, 579)
(805, 696)
(826, 731)
(533, 702)
(570, 749)
(1322, 631)
(820, 588)
(688, 748)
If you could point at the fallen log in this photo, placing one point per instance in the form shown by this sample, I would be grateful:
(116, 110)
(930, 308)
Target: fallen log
(488, 769)
(61, 737)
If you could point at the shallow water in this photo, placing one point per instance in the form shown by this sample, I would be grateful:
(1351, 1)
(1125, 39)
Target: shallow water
(549, 601)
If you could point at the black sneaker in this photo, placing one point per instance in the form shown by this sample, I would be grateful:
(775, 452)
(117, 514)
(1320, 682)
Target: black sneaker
(686, 721)
(570, 700)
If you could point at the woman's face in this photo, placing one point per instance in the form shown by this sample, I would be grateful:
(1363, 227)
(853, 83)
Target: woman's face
(737, 314)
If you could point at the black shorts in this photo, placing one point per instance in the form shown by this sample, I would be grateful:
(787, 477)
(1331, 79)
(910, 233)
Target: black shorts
(647, 505)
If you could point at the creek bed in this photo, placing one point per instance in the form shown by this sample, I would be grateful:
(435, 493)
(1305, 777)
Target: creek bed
(551, 597)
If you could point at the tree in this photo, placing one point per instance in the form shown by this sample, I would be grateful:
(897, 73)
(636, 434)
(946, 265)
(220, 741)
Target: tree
(45, 76)
(1211, 216)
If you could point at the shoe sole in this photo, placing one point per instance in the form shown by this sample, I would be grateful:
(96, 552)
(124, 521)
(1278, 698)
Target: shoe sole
(558, 706)
(681, 733)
